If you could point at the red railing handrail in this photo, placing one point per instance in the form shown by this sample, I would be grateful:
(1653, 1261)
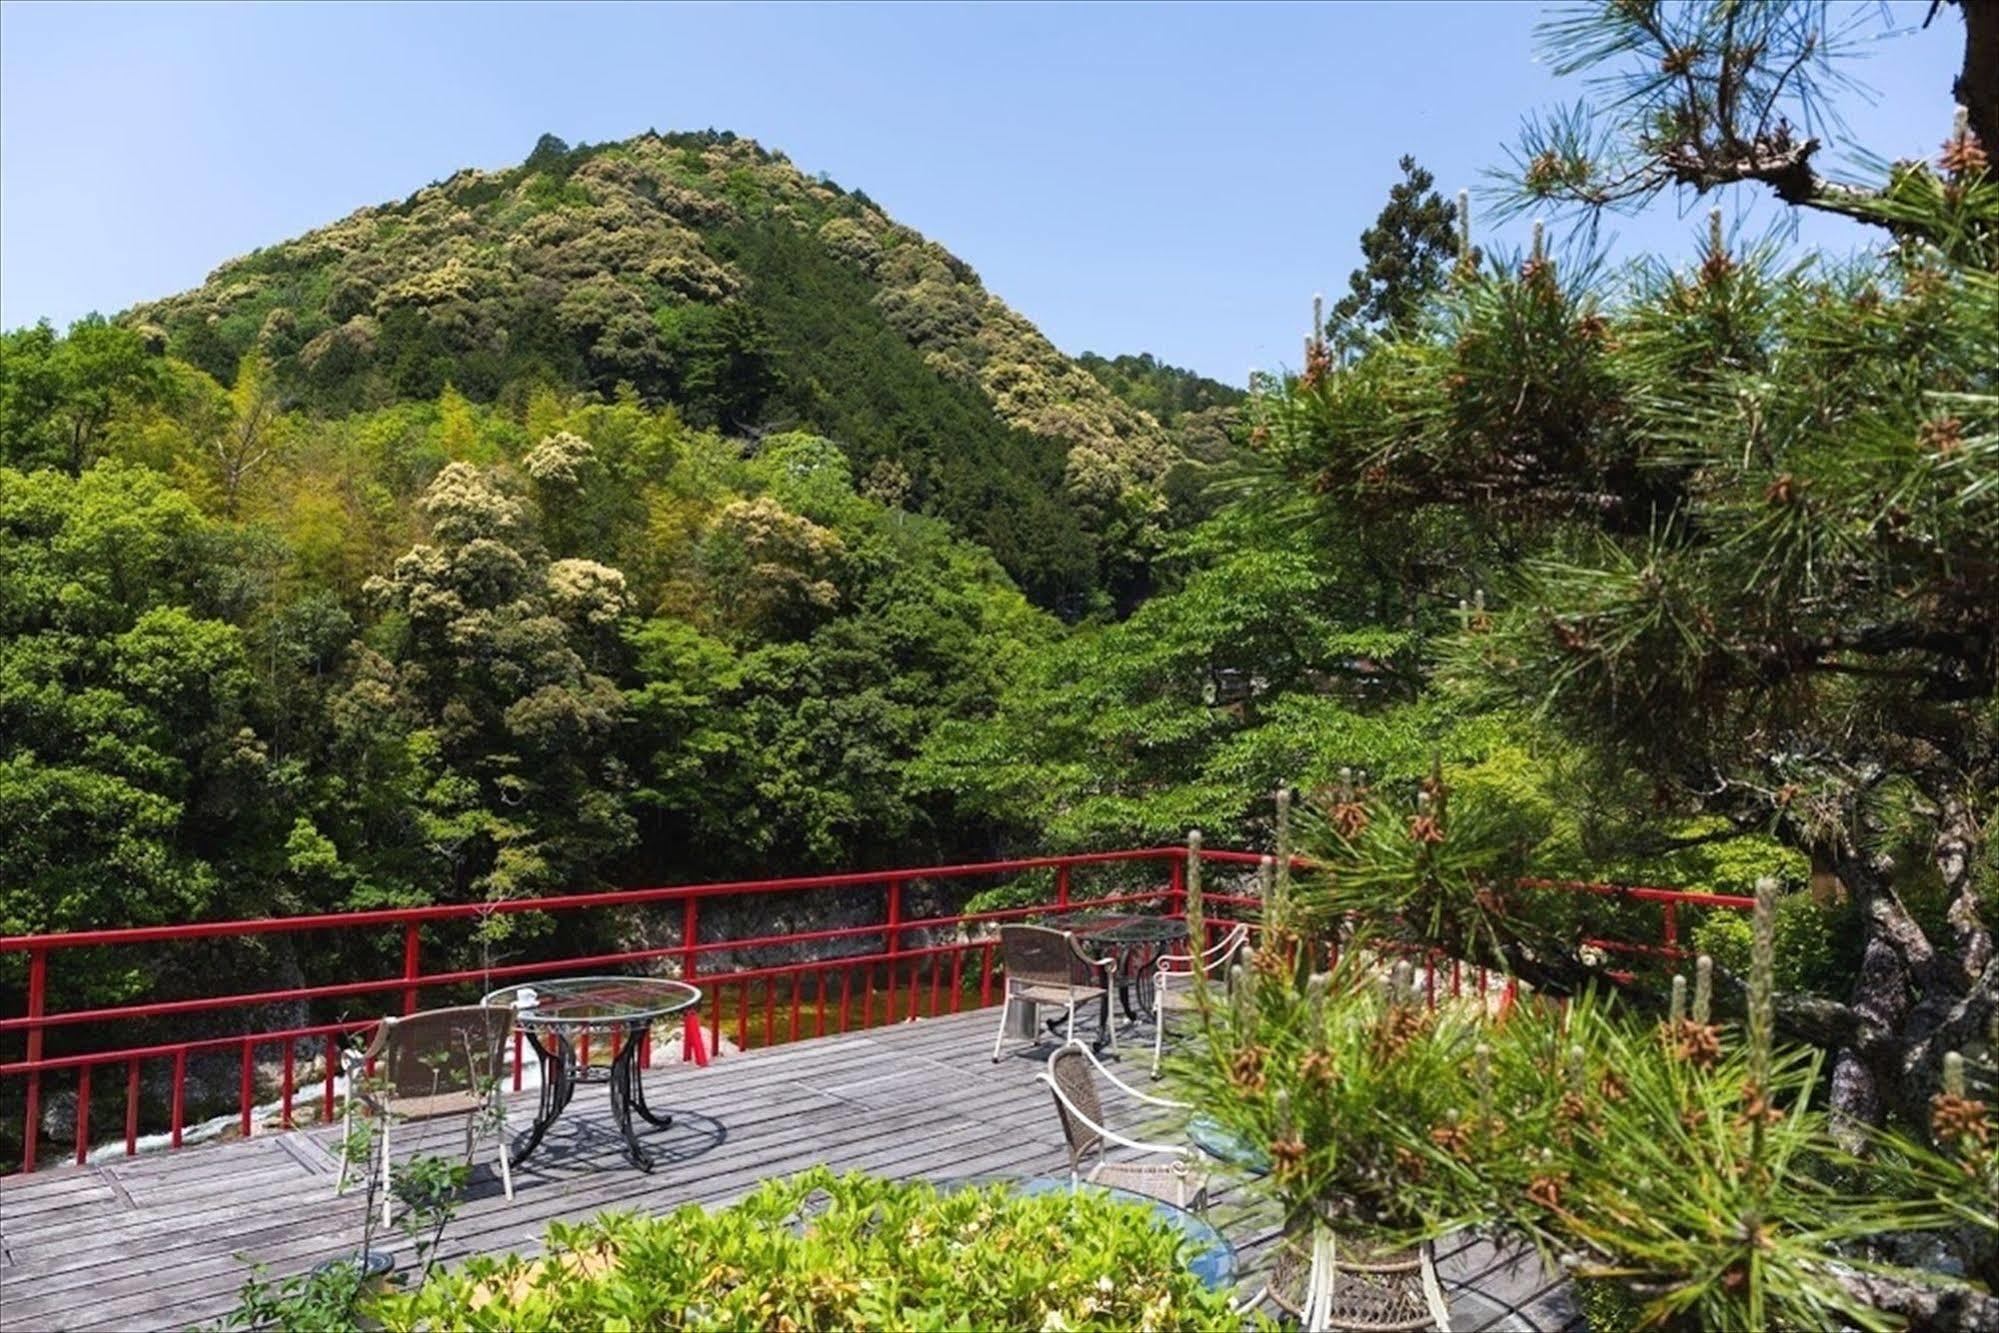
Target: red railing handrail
(1642, 892)
(500, 971)
(388, 916)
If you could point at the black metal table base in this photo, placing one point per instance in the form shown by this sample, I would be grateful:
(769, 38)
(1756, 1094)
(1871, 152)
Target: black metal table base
(561, 1071)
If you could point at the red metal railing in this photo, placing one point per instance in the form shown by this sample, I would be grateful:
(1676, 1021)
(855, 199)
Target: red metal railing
(953, 966)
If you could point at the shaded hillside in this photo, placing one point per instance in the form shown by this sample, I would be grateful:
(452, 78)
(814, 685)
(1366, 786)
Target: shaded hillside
(705, 272)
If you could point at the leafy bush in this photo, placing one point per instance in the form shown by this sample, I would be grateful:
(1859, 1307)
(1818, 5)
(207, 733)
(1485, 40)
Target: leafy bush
(820, 1251)
(1817, 944)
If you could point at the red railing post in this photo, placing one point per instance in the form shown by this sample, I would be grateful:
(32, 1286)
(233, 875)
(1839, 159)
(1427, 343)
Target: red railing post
(131, 1108)
(689, 925)
(1062, 886)
(82, 1114)
(1176, 887)
(38, 985)
(180, 1093)
(411, 938)
(892, 946)
(285, 1112)
(247, 1089)
(1671, 912)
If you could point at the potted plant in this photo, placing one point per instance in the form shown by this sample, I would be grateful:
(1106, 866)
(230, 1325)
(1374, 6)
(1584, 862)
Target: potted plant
(339, 1293)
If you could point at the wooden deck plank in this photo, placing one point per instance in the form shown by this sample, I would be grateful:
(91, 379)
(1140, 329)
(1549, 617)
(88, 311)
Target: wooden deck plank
(608, 1182)
(161, 1241)
(498, 1228)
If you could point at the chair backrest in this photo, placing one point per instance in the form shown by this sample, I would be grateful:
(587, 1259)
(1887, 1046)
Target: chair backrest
(1039, 955)
(438, 1051)
(1215, 959)
(1069, 1070)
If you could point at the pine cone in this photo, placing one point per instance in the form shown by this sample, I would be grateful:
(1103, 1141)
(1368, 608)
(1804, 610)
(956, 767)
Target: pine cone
(1955, 1119)
(1350, 819)
(1756, 1105)
(1546, 1190)
(1454, 1139)
(1699, 1044)
(1943, 436)
(1963, 155)
(1317, 1069)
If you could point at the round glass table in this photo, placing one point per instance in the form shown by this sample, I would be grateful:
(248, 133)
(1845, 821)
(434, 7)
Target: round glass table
(559, 1017)
(1134, 943)
(1223, 1144)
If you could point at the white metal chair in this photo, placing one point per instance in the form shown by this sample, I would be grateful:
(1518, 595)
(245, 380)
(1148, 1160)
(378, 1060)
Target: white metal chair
(1173, 983)
(438, 1063)
(1071, 1076)
(1045, 966)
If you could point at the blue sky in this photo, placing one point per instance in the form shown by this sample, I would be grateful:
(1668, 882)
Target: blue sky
(1175, 179)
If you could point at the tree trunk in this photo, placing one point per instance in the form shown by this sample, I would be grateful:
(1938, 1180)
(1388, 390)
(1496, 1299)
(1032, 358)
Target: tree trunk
(1880, 997)
(1977, 84)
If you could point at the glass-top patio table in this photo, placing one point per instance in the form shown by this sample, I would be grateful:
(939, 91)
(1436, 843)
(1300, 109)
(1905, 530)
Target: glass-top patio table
(559, 1017)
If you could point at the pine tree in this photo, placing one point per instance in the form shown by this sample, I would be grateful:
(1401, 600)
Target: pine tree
(1754, 507)
(1408, 251)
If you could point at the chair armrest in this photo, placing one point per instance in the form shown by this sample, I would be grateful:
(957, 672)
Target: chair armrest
(1101, 964)
(1175, 1150)
(353, 1057)
(1125, 1087)
(1229, 944)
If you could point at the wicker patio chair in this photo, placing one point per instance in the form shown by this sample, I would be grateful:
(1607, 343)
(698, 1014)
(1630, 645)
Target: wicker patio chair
(442, 1062)
(1046, 966)
(1071, 1076)
(1173, 985)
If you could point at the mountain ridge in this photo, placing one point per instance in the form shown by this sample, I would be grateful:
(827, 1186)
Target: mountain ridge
(704, 270)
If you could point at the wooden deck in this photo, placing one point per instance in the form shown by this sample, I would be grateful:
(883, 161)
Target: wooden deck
(164, 1241)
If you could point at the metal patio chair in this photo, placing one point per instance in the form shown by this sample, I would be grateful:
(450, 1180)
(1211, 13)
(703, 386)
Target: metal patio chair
(1173, 986)
(442, 1062)
(1045, 966)
(1180, 1179)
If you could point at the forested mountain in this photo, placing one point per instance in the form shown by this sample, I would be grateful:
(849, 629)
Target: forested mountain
(637, 514)
(704, 271)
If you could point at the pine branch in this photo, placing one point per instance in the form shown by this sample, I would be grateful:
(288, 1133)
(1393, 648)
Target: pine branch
(1778, 162)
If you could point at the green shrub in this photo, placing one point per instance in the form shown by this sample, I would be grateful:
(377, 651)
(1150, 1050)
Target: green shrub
(820, 1251)
(1817, 944)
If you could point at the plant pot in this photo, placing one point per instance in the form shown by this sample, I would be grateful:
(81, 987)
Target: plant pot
(1374, 1290)
(378, 1270)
